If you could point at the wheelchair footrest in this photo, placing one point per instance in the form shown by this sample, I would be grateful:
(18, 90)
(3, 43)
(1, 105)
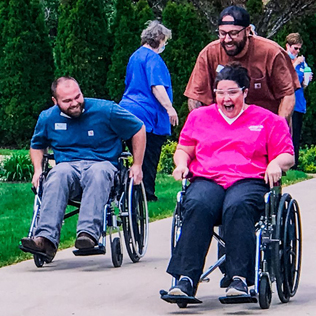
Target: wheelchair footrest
(238, 299)
(178, 299)
(98, 250)
(38, 253)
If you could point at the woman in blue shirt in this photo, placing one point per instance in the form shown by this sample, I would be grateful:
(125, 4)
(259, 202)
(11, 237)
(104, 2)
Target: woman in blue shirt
(148, 95)
(294, 43)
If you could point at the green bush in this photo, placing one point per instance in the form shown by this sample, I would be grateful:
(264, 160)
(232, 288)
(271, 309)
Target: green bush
(307, 159)
(17, 167)
(166, 164)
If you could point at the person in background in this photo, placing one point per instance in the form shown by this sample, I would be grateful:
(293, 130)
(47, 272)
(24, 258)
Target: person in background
(294, 43)
(272, 77)
(148, 95)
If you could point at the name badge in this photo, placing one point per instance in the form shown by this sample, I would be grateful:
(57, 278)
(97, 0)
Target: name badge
(60, 126)
(219, 68)
(90, 133)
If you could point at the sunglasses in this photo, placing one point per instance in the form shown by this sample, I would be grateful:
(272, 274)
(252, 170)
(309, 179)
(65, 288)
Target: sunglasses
(297, 48)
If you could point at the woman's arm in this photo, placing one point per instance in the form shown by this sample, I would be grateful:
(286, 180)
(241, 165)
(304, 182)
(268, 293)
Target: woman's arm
(162, 96)
(182, 158)
(273, 173)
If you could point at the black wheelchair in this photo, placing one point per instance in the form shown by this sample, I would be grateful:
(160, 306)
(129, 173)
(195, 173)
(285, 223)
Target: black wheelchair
(126, 207)
(278, 252)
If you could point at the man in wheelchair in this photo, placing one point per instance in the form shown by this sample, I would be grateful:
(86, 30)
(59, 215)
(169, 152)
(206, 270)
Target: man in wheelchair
(235, 152)
(86, 137)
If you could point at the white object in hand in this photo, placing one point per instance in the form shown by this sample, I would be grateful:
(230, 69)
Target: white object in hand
(307, 75)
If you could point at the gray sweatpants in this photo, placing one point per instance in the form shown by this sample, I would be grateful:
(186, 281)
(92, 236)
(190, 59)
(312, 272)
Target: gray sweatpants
(89, 179)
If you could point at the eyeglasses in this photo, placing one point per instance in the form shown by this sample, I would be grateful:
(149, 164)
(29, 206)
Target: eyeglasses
(231, 34)
(297, 48)
(229, 92)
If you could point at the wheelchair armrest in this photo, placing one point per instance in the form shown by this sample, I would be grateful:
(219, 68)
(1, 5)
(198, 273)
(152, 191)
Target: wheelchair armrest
(125, 155)
(49, 156)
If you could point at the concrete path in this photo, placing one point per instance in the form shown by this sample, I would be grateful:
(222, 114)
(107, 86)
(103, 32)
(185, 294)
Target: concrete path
(91, 286)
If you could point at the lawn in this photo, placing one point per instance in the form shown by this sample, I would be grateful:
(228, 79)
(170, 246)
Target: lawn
(7, 152)
(16, 208)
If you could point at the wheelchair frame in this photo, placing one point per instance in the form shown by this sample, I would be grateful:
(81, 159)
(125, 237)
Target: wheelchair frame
(132, 215)
(278, 251)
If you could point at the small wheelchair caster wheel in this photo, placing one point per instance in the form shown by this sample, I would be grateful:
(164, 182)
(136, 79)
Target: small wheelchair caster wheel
(182, 305)
(265, 293)
(253, 292)
(117, 255)
(38, 260)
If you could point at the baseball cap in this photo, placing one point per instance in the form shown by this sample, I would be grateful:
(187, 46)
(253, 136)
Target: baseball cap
(240, 15)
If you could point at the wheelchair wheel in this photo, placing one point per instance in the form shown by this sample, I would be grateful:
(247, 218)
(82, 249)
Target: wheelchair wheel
(279, 254)
(116, 252)
(38, 260)
(182, 305)
(265, 293)
(292, 247)
(176, 226)
(135, 225)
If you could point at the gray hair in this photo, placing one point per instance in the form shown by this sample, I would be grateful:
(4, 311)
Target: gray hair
(154, 33)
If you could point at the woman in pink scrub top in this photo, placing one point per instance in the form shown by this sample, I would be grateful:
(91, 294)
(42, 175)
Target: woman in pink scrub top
(235, 152)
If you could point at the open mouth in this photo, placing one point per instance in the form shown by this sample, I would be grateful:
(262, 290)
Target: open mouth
(230, 46)
(229, 107)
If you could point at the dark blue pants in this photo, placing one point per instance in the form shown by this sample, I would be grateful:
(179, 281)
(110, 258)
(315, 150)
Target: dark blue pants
(207, 204)
(297, 121)
(151, 159)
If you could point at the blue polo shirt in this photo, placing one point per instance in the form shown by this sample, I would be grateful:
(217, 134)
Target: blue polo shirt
(96, 134)
(300, 101)
(144, 70)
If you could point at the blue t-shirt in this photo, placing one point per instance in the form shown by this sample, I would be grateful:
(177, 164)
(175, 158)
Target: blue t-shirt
(96, 134)
(300, 101)
(144, 70)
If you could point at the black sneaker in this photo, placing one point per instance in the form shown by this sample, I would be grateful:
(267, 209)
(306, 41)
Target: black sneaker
(225, 281)
(183, 288)
(237, 287)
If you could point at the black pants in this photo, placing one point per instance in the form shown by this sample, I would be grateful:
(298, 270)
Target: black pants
(207, 204)
(297, 120)
(151, 160)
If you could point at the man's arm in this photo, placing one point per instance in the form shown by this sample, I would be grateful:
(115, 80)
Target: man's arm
(286, 107)
(138, 145)
(37, 158)
(161, 95)
(193, 104)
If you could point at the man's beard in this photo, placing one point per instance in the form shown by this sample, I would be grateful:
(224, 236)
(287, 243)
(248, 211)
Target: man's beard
(74, 111)
(239, 46)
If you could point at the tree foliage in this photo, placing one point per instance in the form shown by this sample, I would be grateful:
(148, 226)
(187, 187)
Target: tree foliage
(127, 26)
(26, 68)
(189, 36)
(275, 13)
(82, 49)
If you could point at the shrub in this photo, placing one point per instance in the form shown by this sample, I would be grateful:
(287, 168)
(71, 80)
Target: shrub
(166, 164)
(307, 159)
(17, 167)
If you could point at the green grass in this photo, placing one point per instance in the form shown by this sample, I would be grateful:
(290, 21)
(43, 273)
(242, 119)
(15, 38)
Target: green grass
(7, 152)
(293, 176)
(16, 208)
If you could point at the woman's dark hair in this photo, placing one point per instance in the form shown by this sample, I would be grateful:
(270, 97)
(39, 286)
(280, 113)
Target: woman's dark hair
(235, 72)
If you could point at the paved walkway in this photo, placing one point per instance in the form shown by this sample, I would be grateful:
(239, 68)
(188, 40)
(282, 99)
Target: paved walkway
(91, 286)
